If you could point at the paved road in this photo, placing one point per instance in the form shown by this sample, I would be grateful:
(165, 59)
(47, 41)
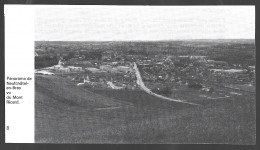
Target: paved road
(144, 88)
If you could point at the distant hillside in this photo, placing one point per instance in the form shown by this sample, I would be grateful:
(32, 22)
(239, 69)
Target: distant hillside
(233, 51)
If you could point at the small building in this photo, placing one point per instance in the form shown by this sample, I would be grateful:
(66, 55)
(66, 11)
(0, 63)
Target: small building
(94, 70)
(105, 67)
(114, 63)
(64, 70)
(197, 57)
(124, 69)
(72, 68)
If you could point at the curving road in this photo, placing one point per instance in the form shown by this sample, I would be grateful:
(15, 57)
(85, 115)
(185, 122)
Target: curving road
(144, 88)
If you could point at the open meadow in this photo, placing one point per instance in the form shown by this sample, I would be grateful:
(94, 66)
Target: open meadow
(66, 113)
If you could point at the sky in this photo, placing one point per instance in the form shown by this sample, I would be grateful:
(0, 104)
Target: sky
(143, 23)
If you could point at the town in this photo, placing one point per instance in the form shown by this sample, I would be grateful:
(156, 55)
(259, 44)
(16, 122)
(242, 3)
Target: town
(162, 72)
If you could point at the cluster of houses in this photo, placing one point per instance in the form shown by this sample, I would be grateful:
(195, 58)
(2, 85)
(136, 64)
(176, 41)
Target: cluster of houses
(59, 68)
(112, 69)
(192, 70)
(158, 68)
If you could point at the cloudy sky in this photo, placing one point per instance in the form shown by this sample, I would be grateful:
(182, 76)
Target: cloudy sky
(124, 23)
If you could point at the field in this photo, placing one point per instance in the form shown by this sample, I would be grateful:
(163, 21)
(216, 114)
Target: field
(66, 113)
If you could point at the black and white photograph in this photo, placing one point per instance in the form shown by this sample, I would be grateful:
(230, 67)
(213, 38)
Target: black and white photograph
(145, 74)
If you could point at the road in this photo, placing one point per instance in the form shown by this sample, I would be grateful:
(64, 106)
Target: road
(147, 90)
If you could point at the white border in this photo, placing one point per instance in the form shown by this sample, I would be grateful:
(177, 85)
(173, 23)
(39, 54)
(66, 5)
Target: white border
(19, 62)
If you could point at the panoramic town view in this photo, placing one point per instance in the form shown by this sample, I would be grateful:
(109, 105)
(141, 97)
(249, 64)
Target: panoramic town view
(124, 91)
(145, 75)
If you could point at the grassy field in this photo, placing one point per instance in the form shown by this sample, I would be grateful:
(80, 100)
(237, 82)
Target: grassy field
(65, 113)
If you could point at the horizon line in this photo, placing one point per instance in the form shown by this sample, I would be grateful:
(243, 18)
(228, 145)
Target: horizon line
(139, 40)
